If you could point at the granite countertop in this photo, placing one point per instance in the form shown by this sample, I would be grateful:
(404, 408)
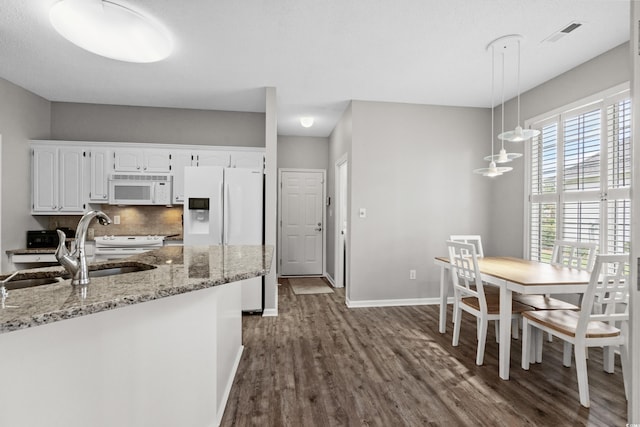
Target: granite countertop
(171, 270)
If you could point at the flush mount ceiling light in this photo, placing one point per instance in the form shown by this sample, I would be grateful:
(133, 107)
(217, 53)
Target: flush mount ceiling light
(108, 29)
(306, 122)
(519, 134)
(492, 170)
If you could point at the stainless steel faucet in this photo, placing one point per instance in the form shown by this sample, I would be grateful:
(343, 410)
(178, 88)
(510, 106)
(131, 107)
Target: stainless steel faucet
(76, 262)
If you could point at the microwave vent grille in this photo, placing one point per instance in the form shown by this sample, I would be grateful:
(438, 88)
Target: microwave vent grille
(140, 177)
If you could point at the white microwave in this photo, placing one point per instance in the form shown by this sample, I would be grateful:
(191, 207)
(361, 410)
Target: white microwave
(139, 189)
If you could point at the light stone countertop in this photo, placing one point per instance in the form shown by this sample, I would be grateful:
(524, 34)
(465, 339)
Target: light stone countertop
(172, 270)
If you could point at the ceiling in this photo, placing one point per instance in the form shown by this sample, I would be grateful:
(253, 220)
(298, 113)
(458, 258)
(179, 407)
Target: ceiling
(318, 54)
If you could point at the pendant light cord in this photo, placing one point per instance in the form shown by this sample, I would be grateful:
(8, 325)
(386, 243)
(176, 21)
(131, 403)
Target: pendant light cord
(502, 106)
(518, 88)
(493, 73)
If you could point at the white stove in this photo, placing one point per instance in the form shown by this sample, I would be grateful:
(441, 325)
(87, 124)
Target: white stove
(115, 247)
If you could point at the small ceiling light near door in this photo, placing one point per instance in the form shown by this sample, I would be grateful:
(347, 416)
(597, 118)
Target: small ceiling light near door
(306, 122)
(108, 29)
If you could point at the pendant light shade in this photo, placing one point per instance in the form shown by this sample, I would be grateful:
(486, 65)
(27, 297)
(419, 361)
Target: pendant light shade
(108, 29)
(518, 134)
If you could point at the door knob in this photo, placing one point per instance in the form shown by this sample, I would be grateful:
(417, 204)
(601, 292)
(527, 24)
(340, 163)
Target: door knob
(318, 229)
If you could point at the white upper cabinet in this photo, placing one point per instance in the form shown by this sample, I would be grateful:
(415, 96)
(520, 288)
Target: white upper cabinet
(180, 160)
(212, 158)
(99, 167)
(137, 160)
(247, 159)
(57, 180)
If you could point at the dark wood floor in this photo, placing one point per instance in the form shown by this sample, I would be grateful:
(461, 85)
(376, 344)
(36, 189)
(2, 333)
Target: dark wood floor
(321, 364)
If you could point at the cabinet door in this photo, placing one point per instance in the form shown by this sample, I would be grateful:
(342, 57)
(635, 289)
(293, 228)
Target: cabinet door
(44, 173)
(157, 160)
(249, 160)
(127, 160)
(213, 158)
(70, 173)
(99, 175)
(180, 160)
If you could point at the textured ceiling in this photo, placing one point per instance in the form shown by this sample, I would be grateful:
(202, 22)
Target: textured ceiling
(318, 54)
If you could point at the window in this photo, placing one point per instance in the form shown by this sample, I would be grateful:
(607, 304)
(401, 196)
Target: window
(579, 177)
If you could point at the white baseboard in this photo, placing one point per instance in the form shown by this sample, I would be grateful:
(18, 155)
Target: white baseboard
(227, 389)
(330, 279)
(270, 312)
(393, 302)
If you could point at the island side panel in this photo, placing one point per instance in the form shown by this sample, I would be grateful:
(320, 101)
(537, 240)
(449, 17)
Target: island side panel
(154, 363)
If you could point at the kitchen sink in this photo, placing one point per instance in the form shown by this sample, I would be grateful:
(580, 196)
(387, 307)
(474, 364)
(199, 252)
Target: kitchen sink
(30, 283)
(111, 271)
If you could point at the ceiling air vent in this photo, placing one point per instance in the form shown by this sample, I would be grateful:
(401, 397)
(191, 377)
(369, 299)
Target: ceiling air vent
(563, 32)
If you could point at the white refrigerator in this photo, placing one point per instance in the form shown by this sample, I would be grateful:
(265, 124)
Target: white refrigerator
(223, 206)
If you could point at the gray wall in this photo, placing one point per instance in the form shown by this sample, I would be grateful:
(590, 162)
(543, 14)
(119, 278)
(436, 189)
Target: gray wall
(506, 235)
(411, 168)
(303, 152)
(23, 116)
(116, 123)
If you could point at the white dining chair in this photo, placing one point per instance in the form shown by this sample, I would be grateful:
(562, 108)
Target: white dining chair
(582, 329)
(474, 239)
(470, 296)
(578, 255)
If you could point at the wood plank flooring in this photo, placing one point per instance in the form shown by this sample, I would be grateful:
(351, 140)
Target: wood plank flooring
(321, 364)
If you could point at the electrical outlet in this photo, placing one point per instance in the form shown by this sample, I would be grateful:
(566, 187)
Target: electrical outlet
(412, 274)
(116, 219)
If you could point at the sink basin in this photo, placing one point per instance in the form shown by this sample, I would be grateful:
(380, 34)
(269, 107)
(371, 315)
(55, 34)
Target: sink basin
(111, 271)
(29, 283)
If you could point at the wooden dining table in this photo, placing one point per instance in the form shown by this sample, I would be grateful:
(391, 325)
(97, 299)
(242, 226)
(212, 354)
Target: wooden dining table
(514, 275)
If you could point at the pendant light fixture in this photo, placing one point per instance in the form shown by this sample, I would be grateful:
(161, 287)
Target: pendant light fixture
(493, 170)
(503, 156)
(111, 30)
(518, 134)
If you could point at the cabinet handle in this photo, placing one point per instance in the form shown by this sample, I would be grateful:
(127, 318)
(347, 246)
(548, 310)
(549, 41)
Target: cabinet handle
(104, 196)
(137, 167)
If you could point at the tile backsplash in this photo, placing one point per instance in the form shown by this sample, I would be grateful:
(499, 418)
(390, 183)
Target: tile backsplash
(134, 221)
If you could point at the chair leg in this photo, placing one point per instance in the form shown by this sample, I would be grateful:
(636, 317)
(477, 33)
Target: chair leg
(526, 343)
(581, 369)
(515, 328)
(539, 336)
(608, 359)
(496, 324)
(457, 315)
(624, 359)
(566, 354)
(484, 324)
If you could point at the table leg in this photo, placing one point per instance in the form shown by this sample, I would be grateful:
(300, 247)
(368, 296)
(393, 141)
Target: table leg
(444, 291)
(505, 331)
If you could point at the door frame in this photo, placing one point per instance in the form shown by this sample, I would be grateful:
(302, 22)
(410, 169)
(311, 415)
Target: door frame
(340, 251)
(324, 218)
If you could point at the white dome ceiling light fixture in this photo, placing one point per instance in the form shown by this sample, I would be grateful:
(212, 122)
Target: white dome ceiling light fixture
(111, 30)
(518, 134)
(306, 122)
(493, 170)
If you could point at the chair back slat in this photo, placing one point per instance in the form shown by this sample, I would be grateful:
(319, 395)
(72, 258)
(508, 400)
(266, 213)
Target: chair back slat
(474, 239)
(608, 286)
(465, 272)
(580, 255)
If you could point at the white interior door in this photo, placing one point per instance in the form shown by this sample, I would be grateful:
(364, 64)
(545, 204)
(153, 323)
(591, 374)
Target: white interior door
(301, 244)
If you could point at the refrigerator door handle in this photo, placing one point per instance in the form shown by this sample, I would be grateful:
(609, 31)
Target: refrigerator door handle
(220, 212)
(227, 218)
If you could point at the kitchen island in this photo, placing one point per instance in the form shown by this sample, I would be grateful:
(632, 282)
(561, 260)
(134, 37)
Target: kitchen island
(157, 347)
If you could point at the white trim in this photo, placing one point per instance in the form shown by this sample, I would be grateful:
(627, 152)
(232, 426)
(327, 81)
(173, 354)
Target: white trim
(568, 108)
(337, 264)
(395, 302)
(227, 388)
(330, 279)
(270, 312)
